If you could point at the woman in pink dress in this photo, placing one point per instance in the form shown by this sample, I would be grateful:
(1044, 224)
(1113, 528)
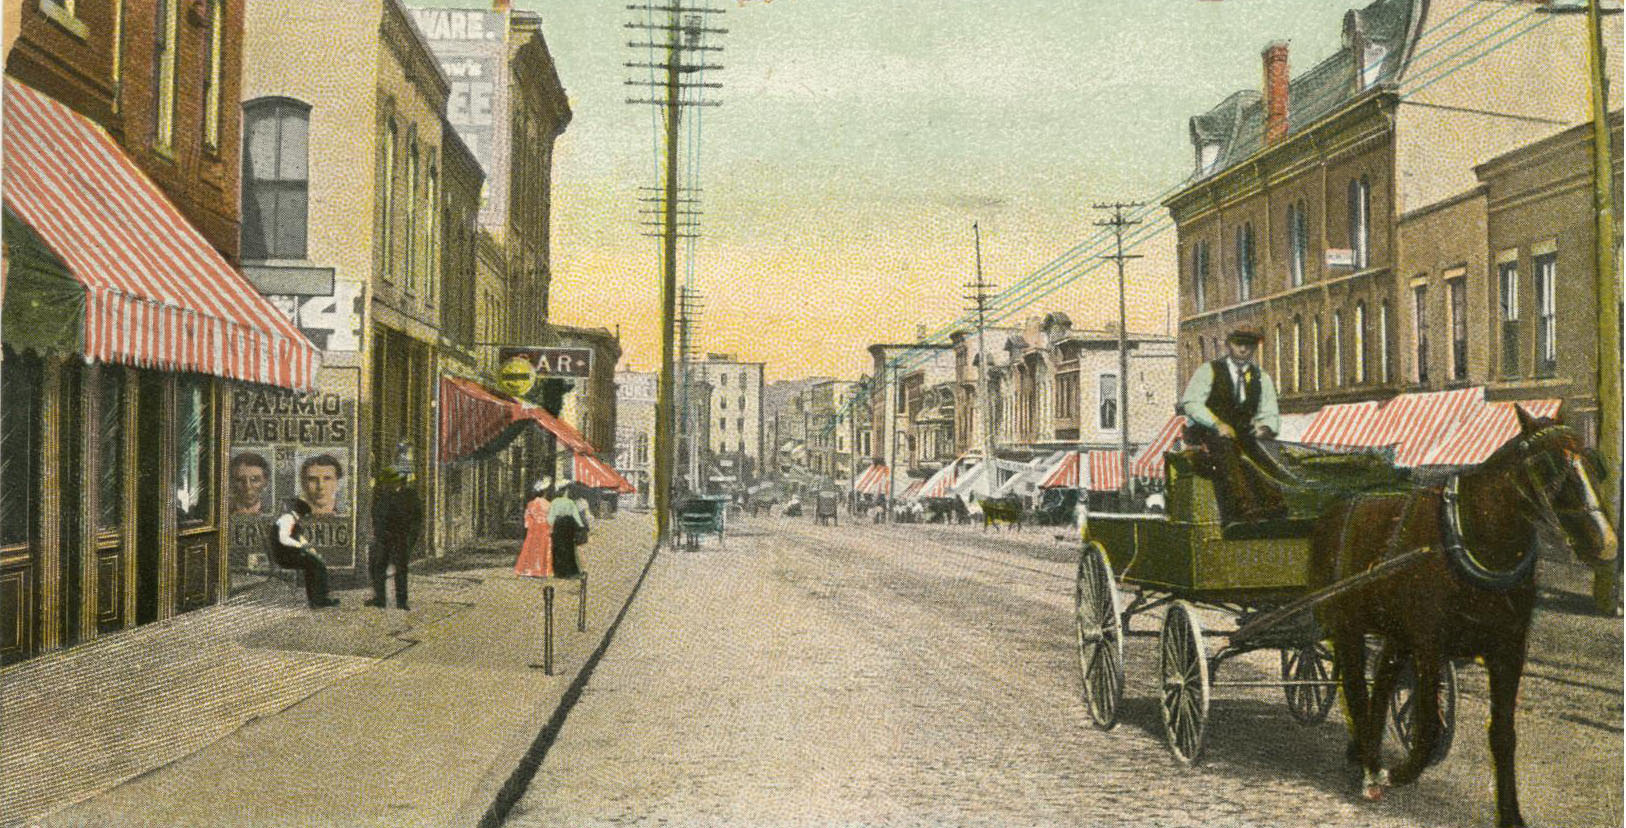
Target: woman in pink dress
(536, 554)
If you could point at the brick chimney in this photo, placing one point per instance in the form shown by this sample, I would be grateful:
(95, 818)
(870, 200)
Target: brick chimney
(500, 5)
(1275, 100)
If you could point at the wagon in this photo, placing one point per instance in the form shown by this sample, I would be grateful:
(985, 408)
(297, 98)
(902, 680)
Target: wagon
(1258, 574)
(699, 516)
(825, 506)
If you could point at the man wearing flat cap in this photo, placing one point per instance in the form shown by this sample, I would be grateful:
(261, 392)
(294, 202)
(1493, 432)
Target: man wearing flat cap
(1231, 405)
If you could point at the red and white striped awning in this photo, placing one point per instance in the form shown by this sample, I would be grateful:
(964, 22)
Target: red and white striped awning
(158, 294)
(1106, 470)
(913, 490)
(591, 471)
(1339, 425)
(938, 485)
(1064, 475)
(1149, 463)
(1415, 423)
(471, 416)
(872, 481)
(1482, 434)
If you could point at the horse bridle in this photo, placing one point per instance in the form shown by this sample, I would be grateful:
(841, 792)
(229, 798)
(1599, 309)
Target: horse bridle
(1537, 498)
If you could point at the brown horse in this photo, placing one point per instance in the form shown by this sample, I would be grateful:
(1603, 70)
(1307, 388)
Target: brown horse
(1472, 597)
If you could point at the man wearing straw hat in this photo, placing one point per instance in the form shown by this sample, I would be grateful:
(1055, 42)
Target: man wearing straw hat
(1231, 404)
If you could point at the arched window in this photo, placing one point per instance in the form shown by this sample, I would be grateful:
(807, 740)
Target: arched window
(1384, 362)
(212, 69)
(1276, 354)
(1298, 353)
(410, 198)
(1244, 262)
(386, 199)
(1199, 275)
(1335, 349)
(1298, 242)
(1315, 352)
(276, 185)
(1360, 221)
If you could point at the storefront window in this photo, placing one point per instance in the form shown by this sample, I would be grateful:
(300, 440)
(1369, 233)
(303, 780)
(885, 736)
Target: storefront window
(194, 451)
(20, 377)
(110, 445)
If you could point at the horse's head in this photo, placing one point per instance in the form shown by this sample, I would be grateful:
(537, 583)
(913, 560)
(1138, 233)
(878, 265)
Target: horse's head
(1560, 476)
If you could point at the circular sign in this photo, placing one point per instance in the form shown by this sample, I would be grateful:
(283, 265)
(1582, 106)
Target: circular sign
(517, 376)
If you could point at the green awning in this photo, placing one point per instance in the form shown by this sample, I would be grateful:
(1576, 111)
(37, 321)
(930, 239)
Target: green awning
(44, 305)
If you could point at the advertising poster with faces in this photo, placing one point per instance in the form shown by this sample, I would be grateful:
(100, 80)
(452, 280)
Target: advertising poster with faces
(287, 446)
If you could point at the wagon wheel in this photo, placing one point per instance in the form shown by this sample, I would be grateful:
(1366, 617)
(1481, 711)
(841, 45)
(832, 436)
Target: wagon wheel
(1100, 636)
(1307, 702)
(1185, 683)
(1401, 704)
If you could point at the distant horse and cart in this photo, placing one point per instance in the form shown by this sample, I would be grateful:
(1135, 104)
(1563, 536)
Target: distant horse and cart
(1448, 576)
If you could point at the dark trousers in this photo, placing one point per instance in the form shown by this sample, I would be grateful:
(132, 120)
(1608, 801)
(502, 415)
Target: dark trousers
(388, 550)
(315, 571)
(1244, 493)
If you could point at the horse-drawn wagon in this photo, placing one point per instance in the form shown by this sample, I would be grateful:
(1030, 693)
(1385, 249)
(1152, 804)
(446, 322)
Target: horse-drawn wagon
(701, 515)
(1188, 559)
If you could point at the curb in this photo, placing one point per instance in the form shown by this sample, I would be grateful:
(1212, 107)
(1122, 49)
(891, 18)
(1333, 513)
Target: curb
(514, 787)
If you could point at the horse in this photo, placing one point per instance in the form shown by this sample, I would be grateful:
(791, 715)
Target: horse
(1469, 595)
(1001, 510)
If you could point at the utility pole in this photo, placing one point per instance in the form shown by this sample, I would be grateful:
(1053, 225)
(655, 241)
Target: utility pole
(891, 401)
(1118, 223)
(689, 308)
(683, 31)
(980, 289)
(1608, 277)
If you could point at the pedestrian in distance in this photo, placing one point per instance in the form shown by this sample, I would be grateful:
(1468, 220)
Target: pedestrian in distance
(536, 553)
(567, 520)
(397, 523)
(290, 549)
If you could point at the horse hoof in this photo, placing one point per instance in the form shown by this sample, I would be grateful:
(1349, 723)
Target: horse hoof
(1373, 793)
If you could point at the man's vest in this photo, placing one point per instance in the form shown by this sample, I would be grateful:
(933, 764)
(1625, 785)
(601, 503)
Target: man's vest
(1222, 396)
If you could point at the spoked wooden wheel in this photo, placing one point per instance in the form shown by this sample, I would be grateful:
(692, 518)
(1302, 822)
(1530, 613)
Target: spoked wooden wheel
(1309, 703)
(1100, 636)
(1402, 724)
(1185, 682)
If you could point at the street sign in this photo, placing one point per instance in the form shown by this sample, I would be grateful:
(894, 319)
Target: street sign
(517, 375)
(1340, 257)
(551, 362)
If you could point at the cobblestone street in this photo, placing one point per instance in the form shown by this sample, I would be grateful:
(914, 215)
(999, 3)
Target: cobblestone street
(926, 675)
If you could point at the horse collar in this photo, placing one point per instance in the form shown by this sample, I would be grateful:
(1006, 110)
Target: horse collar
(1462, 559)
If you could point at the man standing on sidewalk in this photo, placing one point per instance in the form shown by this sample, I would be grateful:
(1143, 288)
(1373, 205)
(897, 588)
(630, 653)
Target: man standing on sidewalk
(397, 518)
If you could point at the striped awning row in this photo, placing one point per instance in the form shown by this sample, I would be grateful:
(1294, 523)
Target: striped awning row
(1149, 463)
(1064, 475)
(1415, 423)
(913, 490)
(1485, 431)
(1106, 470)
(591, 471)
(158, 294)
(1339, 425)
(872, 481)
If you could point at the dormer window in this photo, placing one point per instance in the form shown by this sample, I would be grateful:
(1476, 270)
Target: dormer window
(1207, 157)
(1372, 64)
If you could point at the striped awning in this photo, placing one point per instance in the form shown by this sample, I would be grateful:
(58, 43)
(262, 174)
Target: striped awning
(1106, 470)
(157, 293)
(1415, 423)
(872, 481)
(591, 471)
(1479, 436)
(913, 490)
(1339, 425)
(1064, 475)
(476, 420)
(938, 485)
(1149, 463)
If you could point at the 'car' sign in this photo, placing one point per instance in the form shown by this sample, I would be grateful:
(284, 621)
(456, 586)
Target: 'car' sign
(552, 362)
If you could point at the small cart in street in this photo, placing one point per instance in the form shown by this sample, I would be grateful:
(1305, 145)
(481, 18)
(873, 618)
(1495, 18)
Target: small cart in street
(1258, 574)
(826, 506)
(700, 516)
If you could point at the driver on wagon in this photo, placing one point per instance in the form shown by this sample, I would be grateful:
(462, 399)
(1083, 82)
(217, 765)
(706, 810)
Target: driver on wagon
(1231, 405)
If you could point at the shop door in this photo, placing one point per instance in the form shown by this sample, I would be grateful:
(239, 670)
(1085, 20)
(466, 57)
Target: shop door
(111, 448)
(70, 481)
(19, 504)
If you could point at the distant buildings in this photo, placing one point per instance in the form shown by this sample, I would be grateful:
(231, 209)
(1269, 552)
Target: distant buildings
(736, 434)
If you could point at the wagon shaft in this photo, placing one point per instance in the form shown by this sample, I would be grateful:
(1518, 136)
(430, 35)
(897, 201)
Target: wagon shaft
(1277, 616)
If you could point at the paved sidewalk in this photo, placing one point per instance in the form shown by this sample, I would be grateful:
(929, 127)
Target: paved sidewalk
(262, 712)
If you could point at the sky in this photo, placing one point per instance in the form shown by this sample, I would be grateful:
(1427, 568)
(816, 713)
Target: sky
(857, 142)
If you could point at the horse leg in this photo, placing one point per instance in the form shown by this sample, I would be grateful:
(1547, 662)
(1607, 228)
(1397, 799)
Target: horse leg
(1505, 670)
(1385, 672)
(1350, 652)
(1426, 716)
